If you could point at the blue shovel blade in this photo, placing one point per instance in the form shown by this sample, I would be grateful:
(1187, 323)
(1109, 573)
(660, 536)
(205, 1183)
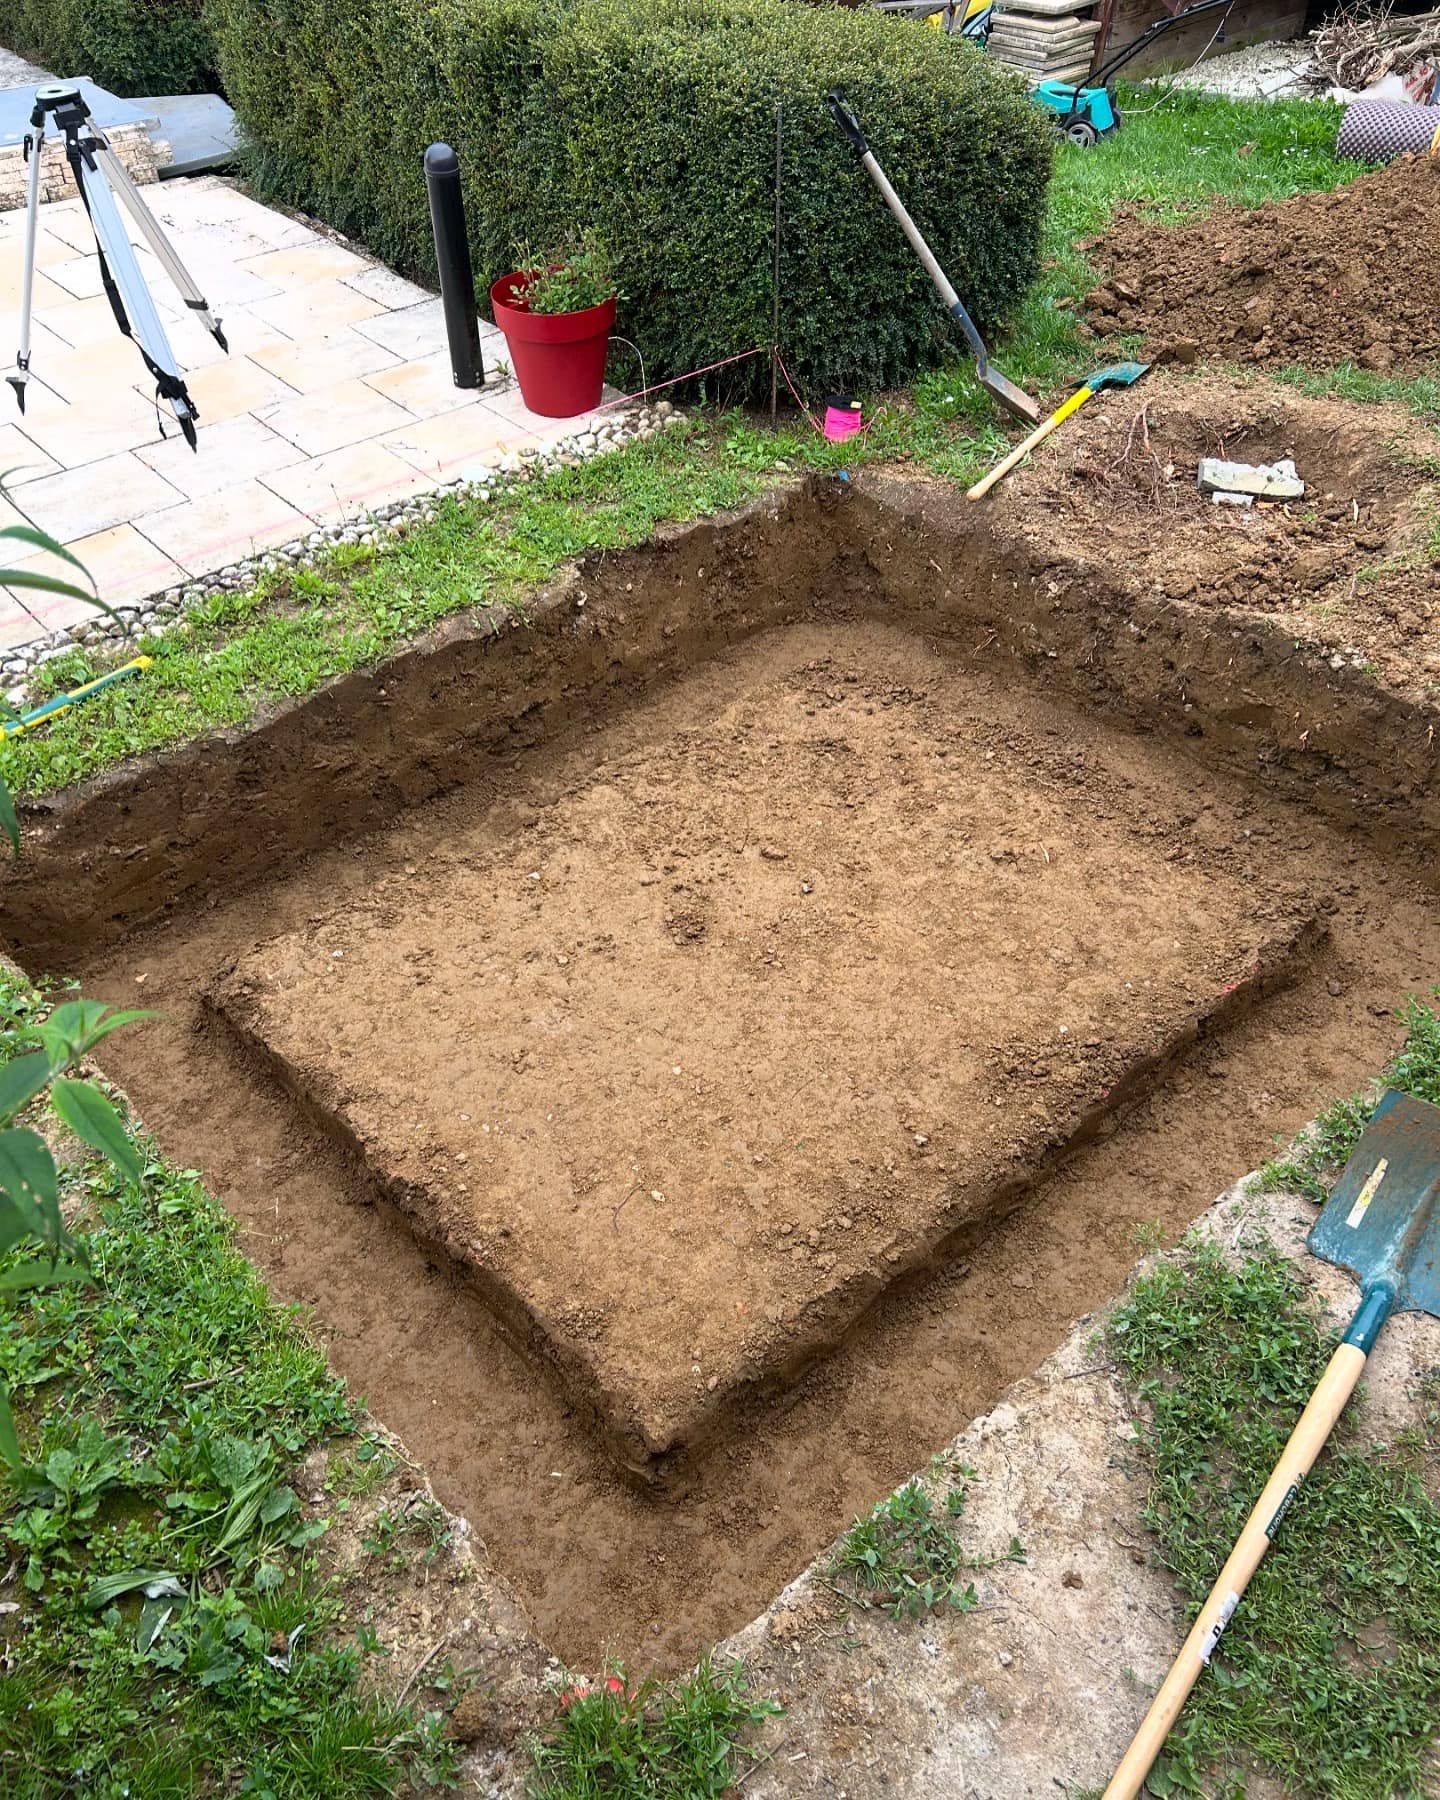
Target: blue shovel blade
(1122, 374)
(1382, 1220)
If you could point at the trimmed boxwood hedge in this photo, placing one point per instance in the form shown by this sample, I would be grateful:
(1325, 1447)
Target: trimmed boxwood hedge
(128, 46)
(652, 124)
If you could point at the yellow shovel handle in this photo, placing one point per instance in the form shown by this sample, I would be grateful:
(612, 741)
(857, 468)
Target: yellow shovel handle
(1296, 1460)
(1021, 451)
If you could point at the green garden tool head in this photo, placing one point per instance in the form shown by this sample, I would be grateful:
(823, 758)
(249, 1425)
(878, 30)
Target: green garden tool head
(1117, 375)
(1382, 1221)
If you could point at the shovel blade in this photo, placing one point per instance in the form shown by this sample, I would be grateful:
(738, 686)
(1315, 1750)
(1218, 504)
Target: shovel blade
(1382, 1221)
(1117, 375)
(1015, 399)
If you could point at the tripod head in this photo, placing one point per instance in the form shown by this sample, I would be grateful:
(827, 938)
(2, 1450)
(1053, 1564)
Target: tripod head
(62, 102)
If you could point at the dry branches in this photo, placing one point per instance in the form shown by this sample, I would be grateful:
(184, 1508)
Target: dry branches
(1365, 42)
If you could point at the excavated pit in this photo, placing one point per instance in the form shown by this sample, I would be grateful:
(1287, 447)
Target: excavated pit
(735, 1013)
(690, 1053)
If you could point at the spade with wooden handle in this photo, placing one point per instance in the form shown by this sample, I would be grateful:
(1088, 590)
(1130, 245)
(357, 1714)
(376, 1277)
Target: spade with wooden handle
(1382, 1223)
(1013, 399)
(1117, 375)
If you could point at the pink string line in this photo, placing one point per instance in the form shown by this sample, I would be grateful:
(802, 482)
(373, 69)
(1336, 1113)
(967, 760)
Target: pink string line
(772, 350)
(655, 388)
(780, 361)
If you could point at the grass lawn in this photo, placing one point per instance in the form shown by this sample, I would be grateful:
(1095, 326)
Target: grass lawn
(292, 633)
(161, 1559)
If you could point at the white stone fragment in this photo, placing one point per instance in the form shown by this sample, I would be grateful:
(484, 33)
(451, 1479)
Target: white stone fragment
(1267, 481)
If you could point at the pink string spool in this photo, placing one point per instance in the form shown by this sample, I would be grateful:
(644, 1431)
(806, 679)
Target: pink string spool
(842, 419)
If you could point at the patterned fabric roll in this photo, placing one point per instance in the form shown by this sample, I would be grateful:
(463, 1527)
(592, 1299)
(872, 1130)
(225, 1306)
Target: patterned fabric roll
(1379, 130)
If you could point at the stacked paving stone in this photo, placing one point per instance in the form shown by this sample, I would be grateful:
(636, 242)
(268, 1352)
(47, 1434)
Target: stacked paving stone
(1050, 40)
(143, 156)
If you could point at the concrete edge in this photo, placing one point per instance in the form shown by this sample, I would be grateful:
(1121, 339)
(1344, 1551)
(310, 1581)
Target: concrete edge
(1037, 1690)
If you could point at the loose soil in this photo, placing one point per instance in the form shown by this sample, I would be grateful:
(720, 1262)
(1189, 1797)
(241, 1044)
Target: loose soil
(1319, 279)
(1035, 643)
(751, 1001)
(1355, 563)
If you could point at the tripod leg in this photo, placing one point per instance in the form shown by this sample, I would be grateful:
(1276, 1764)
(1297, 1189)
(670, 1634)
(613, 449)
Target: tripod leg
(141, 319)
(35, 144)
(155, 236)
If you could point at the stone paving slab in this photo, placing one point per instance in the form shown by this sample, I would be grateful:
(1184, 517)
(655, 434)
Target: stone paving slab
(199, 128)
(336, 397)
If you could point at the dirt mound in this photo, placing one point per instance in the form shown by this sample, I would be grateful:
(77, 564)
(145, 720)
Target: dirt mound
(1347, 276)
(1354, 563)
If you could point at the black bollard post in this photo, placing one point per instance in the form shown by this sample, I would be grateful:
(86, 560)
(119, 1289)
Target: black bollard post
(452, 253)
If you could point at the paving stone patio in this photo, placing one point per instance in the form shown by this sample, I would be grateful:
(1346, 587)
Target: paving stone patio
(336, 396)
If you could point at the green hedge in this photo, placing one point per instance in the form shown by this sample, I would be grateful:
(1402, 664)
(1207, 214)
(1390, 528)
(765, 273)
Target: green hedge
(652, 123)
(128, 46)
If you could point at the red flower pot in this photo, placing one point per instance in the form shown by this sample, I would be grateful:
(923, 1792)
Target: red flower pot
(558, 358)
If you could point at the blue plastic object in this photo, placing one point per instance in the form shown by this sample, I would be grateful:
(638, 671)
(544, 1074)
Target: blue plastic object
(1076, 105)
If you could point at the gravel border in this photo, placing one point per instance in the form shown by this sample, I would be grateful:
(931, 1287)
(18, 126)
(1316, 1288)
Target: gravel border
(1277, 70)
(484, 480)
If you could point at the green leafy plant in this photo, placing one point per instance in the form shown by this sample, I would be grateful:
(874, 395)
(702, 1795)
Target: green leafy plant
(905, 1557)
(657, 124)
(419, 1527)
(30, 1214)
(567, 281)
(651, 1741)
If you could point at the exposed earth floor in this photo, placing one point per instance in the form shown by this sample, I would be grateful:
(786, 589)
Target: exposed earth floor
(746, 1003)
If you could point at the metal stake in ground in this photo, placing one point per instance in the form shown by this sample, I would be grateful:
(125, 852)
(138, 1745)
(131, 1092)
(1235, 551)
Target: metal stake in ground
(101, 176)
(1382, 1223)
(775, 261)
(990, 378)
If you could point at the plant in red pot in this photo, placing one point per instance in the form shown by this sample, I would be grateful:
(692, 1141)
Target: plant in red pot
(557, 313)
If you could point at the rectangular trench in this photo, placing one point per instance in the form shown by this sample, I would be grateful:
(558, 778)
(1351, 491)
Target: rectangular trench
(968, 1241)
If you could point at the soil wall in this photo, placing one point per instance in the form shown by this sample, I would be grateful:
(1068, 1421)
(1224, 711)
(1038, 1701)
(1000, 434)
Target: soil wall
(184, 827)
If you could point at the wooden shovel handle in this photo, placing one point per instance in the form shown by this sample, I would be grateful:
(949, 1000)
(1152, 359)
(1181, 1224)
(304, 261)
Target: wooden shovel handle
(1296, 1460)
(1037, 436)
